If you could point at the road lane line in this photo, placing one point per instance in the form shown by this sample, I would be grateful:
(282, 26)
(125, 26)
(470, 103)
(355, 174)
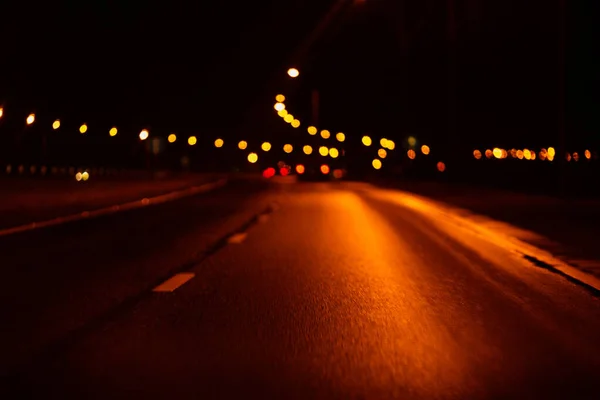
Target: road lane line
(237, 238)
(132, 205)
(174, 282)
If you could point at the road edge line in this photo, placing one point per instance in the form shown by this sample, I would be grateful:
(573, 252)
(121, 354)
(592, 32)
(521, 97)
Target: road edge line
(131, 205)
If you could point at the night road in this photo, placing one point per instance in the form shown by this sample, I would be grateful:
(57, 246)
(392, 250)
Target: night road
(297, 290)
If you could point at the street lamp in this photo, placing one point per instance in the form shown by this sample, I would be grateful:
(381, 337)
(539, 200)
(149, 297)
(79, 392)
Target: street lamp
(293, 72)
(144, 134)
(30, 119)
(83, 129)
(56, 124)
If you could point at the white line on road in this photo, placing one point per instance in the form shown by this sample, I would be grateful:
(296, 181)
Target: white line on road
(237, 238)
(163, 198)
(174, 282)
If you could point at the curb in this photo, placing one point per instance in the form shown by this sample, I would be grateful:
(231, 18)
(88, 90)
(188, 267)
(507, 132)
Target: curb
(132, 205)
(538, 257)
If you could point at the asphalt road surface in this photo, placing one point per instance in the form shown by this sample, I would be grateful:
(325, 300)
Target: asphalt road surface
(287, 290)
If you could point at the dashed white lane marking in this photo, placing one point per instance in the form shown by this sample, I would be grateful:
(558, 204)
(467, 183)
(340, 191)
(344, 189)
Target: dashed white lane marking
(237, 238)
(116, 208)
(174, 282)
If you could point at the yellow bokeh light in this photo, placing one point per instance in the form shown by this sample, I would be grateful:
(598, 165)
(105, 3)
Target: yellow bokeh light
(340, 137)
(143, 134)
(266, 146)
(288, 118)
(383, 142)
(411, 154)
(425, 149)
(391, 145)
(366, 140)
(85, 176)
(293, 72)
(172, 138)
(280, 98)
(83, 129)
(113, 131)
(282, 113)
(477, 154)
(325, 134)
(30, 119)
(333, 152)
(1, 112)
(288, 148)
(312, 130)
(78, 176)
(242, 145)
(307, 149)
(252, 158)
(527, 154)
(219, 143)
(279, 106)
(551, 151)
(382, 153)
(520, 154)
(376, 163)
(497, 153)
(295, 123)
(56, 124)
(412, 141)
(324, 151)
(192, 140)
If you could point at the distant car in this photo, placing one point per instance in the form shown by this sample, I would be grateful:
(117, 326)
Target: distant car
(314, 175)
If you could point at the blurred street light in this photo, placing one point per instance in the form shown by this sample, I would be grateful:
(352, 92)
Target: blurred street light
(279, 106)
(383, 142)
(307, 150)
(289, 118)
(376, 163)
(411, 154)
(192, 140)
(83, 129)
(325, 134)
(242, 145)
(412, 141)
(477, 154)
(219, 143)
(56, 124)
(366, 140)
(30, 119)
(280, 98)
(295, 123)
(252, 158)
(382, 153)
(333, 152)
(113, 131)
(312, 130)
(288, 148)
(441, 166)
(391, 145)
(293, 72)
(425, 149)
(340, 136)
(172, 138)
(300, 169)
(143, 134)
(266, 146)
(1, 112)
(325, 169)
(324, 151)
(282, 113)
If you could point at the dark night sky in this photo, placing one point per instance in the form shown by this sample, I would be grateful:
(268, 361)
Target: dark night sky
(213, 69)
